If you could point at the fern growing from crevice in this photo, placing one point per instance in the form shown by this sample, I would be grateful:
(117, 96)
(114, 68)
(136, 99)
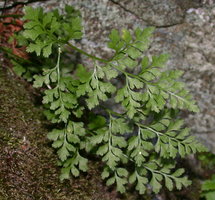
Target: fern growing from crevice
(138, 142)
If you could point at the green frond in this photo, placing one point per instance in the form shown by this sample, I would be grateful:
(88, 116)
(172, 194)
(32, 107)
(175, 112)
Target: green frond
(137, 141)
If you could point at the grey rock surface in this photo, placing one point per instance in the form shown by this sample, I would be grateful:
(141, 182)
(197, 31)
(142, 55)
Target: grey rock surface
(155, 12)
(185, 29)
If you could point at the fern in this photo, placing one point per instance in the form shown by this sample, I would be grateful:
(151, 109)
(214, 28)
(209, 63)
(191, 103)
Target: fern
(208, 189)
(137, 144)
(48, 29)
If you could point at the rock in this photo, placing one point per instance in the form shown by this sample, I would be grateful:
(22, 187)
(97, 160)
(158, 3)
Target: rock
(191, 46)
(199, 63)
(155, 12)
(186, 4)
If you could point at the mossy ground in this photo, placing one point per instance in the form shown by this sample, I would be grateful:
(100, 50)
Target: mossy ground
(28, 168)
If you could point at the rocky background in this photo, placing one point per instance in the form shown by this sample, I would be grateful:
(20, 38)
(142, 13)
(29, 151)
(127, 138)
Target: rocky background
(185, 30)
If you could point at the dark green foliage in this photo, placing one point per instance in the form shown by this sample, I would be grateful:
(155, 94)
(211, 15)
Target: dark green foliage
(208, 189)
(144, 135)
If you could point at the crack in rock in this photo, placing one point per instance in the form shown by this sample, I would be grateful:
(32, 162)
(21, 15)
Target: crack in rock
(155, 13)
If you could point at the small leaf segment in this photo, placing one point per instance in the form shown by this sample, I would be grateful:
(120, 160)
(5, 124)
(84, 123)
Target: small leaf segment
(137, 142)
(47, 29)
(208, 189)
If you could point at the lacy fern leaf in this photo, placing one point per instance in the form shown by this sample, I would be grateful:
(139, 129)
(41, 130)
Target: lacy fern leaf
(45, 29)
(118, 109)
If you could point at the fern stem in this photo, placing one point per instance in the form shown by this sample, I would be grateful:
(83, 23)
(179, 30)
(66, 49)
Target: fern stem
(109, 111)
(87, 54)
(58, 65)
(159, 133)
(106, 61)
(58, 74)
(110, 134)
